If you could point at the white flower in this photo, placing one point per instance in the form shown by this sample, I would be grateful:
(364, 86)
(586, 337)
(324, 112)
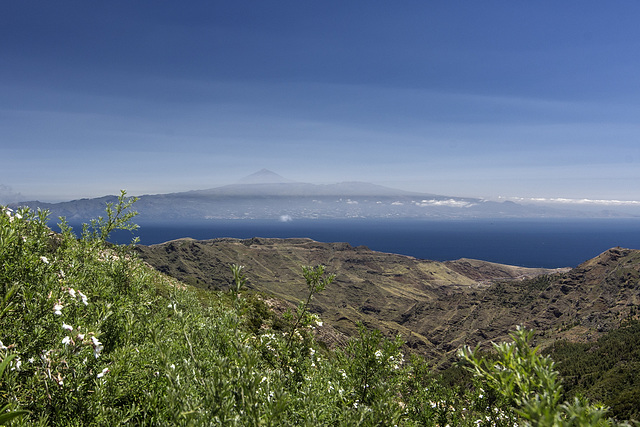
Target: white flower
(72, 292)
(2, 346)
(16, 364)
(316, 319)
(84, 298)
(172, 366)
(44, 259)
(31, 360)
(67, 327)
(66, 340)
(57, 309)
(378, 354)
(97, 347)
(80, 337)
(101, 374)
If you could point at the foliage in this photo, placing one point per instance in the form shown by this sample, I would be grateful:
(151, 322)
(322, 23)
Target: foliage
(90, 335)
(528, 383)
(118, 218)
(606, 370)
(6, 412)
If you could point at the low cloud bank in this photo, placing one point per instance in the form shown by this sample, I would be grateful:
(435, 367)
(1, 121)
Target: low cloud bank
(562, 200)
(449, 202)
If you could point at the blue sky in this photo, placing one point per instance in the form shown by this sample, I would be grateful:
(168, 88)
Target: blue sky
(463, 98)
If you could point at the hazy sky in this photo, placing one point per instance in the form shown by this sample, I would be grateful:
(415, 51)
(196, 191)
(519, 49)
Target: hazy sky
(463, 98)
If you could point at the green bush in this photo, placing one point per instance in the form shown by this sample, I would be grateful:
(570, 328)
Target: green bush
(527, 383)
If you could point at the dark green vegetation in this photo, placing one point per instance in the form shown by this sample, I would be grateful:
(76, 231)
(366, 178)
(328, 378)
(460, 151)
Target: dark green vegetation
(91, 335)
(607, 370)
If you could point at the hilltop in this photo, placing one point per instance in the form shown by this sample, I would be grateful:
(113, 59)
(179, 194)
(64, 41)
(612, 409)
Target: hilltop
(435, 306)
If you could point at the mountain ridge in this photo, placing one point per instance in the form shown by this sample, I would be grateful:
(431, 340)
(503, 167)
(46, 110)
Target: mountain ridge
(435, 306)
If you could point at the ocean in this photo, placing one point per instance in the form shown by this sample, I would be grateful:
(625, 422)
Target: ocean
(546, 243)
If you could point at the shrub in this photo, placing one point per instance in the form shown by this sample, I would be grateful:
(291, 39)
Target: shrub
(527, 384)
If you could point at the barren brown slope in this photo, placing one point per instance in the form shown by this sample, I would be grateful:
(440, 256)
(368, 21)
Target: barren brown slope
(435, 306)
(578, 305)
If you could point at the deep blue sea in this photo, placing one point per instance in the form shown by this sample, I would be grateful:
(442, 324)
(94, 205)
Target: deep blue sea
(523, 242)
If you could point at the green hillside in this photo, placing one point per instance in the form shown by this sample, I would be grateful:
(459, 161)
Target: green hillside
(91, 335)
(607, 370)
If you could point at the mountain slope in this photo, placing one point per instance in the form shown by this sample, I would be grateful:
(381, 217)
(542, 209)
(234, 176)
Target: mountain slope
(607, 370)
(264, 176)
(436, 306)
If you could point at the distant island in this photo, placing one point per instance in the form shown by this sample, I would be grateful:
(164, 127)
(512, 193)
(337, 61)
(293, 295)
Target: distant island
(267, 195)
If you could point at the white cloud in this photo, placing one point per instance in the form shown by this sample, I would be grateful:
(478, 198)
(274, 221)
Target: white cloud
(449, 202)
(568, 201)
